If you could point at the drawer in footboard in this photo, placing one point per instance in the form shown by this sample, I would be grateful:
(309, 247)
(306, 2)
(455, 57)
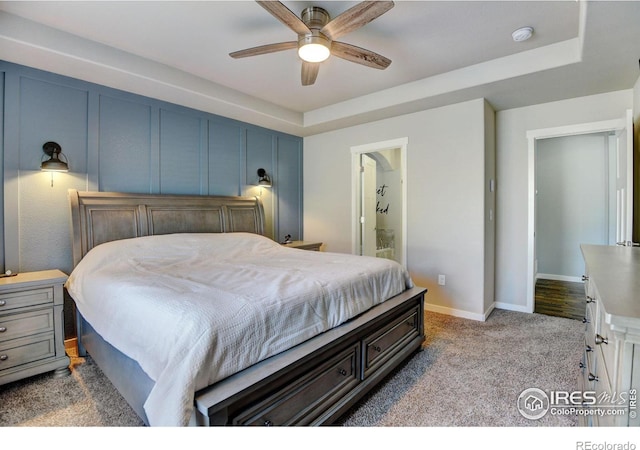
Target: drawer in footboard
(301, 401)
(379, 346)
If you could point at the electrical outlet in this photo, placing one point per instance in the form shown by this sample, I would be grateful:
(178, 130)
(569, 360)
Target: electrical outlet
(441, 280)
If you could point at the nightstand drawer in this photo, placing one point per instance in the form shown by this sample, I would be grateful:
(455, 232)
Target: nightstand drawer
(30, 297)
(22, 351)
(13, 326)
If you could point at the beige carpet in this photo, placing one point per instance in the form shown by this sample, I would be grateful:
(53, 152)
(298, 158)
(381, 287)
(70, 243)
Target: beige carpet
(469, 374)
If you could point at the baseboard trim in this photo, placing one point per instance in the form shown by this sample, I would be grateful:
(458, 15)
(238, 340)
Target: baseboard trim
(550, 276)
(457, 312)
(512, 307)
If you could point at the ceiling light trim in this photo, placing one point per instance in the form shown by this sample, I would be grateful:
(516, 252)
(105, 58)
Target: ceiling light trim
(523, 63)
(522, 34)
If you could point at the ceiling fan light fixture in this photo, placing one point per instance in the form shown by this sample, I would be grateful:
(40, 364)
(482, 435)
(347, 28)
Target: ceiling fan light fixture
(314, 48)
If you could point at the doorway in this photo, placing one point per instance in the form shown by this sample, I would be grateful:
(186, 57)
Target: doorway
(618, 157)
(379, 200)
(573, 202)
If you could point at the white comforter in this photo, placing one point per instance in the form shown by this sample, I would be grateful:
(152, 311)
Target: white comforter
(193, 309)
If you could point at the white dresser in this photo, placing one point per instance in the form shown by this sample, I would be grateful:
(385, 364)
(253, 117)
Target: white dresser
(611, 361)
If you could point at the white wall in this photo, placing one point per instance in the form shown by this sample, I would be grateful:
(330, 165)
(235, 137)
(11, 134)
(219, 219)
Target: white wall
(512, 172)
(446, 212)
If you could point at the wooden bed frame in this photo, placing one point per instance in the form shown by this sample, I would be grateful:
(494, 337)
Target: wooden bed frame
(313, 383)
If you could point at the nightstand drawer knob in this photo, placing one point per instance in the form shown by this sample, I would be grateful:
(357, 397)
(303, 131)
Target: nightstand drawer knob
(3, 302)
(3, 357)
(3, 329)
(592, 377)
(590, 299)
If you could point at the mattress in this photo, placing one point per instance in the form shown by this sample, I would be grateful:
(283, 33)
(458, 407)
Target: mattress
(193, 309)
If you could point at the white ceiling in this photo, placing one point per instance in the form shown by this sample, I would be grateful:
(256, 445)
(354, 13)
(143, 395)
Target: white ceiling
(442, 52)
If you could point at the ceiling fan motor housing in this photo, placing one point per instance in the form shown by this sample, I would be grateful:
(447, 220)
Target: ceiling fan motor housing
(315, 17)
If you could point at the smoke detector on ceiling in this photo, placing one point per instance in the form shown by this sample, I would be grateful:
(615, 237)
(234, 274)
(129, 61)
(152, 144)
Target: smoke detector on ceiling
(522, 34)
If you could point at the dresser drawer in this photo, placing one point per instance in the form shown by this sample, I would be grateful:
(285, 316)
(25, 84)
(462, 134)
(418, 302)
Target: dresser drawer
(588, 359)
(591, 314)
(378, 346)
(608, 400)
(22, 351)
(606, 345)
(13, 326)
(322, 384)
(20, 299)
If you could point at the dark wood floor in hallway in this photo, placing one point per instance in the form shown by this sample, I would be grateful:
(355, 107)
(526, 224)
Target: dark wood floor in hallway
(560, 298)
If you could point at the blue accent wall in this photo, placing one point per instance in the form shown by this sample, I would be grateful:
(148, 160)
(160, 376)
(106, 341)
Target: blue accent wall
(122, 142)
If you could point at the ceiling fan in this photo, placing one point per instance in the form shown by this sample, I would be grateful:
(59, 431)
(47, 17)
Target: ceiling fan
(317, 33)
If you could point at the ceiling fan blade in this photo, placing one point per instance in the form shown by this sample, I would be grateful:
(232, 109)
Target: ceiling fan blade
(309, 73)
(262, 49)
(359, 55)
(354, 18)
(285, 15)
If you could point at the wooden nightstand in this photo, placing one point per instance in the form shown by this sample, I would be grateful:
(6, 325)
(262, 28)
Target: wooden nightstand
(304, 245)
(31, 325)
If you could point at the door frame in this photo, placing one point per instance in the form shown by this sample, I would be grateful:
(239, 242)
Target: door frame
(356, 151)
(606, 126)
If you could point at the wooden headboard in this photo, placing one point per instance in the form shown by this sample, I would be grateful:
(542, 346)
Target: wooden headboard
(98, 217)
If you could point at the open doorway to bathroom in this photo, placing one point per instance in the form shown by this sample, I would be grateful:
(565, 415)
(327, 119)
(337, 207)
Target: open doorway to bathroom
(379, 200)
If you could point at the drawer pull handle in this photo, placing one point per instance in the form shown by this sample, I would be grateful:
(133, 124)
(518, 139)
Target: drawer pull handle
(590, 299)
(377, 348)
(582, 366)
(601, 340)
(585, 278)
(267, 423)
(342, 372)
(3, 329)
(588, 349)
(585, 320)
(3, 357)
(592, 377)
(3, 302)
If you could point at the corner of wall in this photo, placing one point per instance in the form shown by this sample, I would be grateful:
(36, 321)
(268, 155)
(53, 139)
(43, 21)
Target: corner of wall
(636, 163)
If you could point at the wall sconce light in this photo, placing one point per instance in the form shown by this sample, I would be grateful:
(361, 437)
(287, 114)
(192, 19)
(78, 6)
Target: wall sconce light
(263, 178)
(54, 164)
